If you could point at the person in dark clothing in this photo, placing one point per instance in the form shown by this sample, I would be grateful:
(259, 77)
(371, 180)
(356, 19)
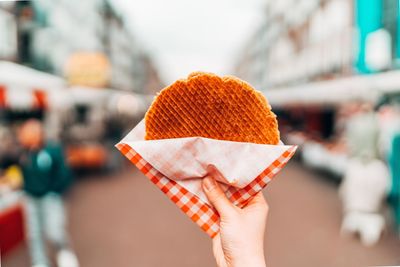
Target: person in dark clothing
(45, 171)
(46, 178)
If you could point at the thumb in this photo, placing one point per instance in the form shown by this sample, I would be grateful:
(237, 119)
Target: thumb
(217, 197)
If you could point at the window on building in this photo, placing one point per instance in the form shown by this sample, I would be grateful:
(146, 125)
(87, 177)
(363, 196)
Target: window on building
(390, 14)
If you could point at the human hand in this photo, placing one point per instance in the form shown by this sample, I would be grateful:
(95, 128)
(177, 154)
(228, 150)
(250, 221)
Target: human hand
(240, 241)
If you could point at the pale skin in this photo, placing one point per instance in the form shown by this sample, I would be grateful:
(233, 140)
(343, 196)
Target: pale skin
(30, 135)
(240, 242)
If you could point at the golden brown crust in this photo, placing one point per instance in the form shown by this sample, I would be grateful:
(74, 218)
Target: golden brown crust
(207, 105)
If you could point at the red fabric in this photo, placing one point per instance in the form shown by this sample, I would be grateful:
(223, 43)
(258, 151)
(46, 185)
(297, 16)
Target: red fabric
(40, 99)
(12, 230)
(2, 96)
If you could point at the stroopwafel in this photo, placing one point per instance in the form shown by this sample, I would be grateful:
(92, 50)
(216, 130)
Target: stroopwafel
(206, 105)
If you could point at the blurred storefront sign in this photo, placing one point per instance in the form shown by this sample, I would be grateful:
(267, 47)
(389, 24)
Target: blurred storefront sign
(377, 37)
(372, 11)
(90, 69)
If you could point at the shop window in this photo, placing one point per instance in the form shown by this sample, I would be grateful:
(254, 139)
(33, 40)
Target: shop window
(26, 27)
(389, 21)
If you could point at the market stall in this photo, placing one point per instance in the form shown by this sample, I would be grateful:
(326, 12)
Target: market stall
(98, 119)
(12, 228)
(24, 93)
(316, 114)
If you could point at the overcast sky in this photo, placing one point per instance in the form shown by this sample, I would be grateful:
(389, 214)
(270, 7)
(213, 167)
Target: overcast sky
(188, 35)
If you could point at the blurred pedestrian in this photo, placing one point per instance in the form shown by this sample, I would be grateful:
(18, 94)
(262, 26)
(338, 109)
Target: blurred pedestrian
(390, 139)
(46, 178)
(366, 180)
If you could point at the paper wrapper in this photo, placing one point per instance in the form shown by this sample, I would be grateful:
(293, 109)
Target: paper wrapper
(178, 165)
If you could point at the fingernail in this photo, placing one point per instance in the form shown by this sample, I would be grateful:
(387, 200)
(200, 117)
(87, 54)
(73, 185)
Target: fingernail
(209, 183)
(234, 181)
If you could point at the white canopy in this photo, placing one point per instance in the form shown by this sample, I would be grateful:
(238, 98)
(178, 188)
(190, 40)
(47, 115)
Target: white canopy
(366, 88)
(17, 76)
(114, 100)
(21, 81)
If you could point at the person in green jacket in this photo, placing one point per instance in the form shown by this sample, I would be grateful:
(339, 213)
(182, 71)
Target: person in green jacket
(46, 178)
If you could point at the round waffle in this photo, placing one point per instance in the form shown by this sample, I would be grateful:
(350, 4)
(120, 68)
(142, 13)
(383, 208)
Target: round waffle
(206, 105)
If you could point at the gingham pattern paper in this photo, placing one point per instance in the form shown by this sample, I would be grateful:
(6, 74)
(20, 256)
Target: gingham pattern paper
(189, 198)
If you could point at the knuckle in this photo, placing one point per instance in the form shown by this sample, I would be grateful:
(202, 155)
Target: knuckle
(218, 197)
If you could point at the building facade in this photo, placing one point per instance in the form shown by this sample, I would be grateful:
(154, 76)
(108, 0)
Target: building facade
(305, 41)
(8, 32)
(46, 34)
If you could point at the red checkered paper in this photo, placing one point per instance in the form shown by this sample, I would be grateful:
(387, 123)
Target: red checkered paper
(177, 166)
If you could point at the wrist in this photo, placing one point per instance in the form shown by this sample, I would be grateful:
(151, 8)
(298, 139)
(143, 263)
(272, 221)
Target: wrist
(260, 262)
(254, 260)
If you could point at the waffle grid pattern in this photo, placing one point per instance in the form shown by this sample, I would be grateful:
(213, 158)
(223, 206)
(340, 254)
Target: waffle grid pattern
(207, 105)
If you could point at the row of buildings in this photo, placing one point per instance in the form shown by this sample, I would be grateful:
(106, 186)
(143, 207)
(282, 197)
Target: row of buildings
(76, 66)
(320, 62)
(313, 40)
(90, 45)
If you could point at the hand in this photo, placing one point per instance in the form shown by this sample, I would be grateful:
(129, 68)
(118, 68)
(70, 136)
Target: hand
(240, 242)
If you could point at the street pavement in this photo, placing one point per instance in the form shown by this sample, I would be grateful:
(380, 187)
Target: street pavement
(122, 220)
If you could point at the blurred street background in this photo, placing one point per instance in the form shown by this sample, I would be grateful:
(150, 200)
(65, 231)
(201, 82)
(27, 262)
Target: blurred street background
(76, 76)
